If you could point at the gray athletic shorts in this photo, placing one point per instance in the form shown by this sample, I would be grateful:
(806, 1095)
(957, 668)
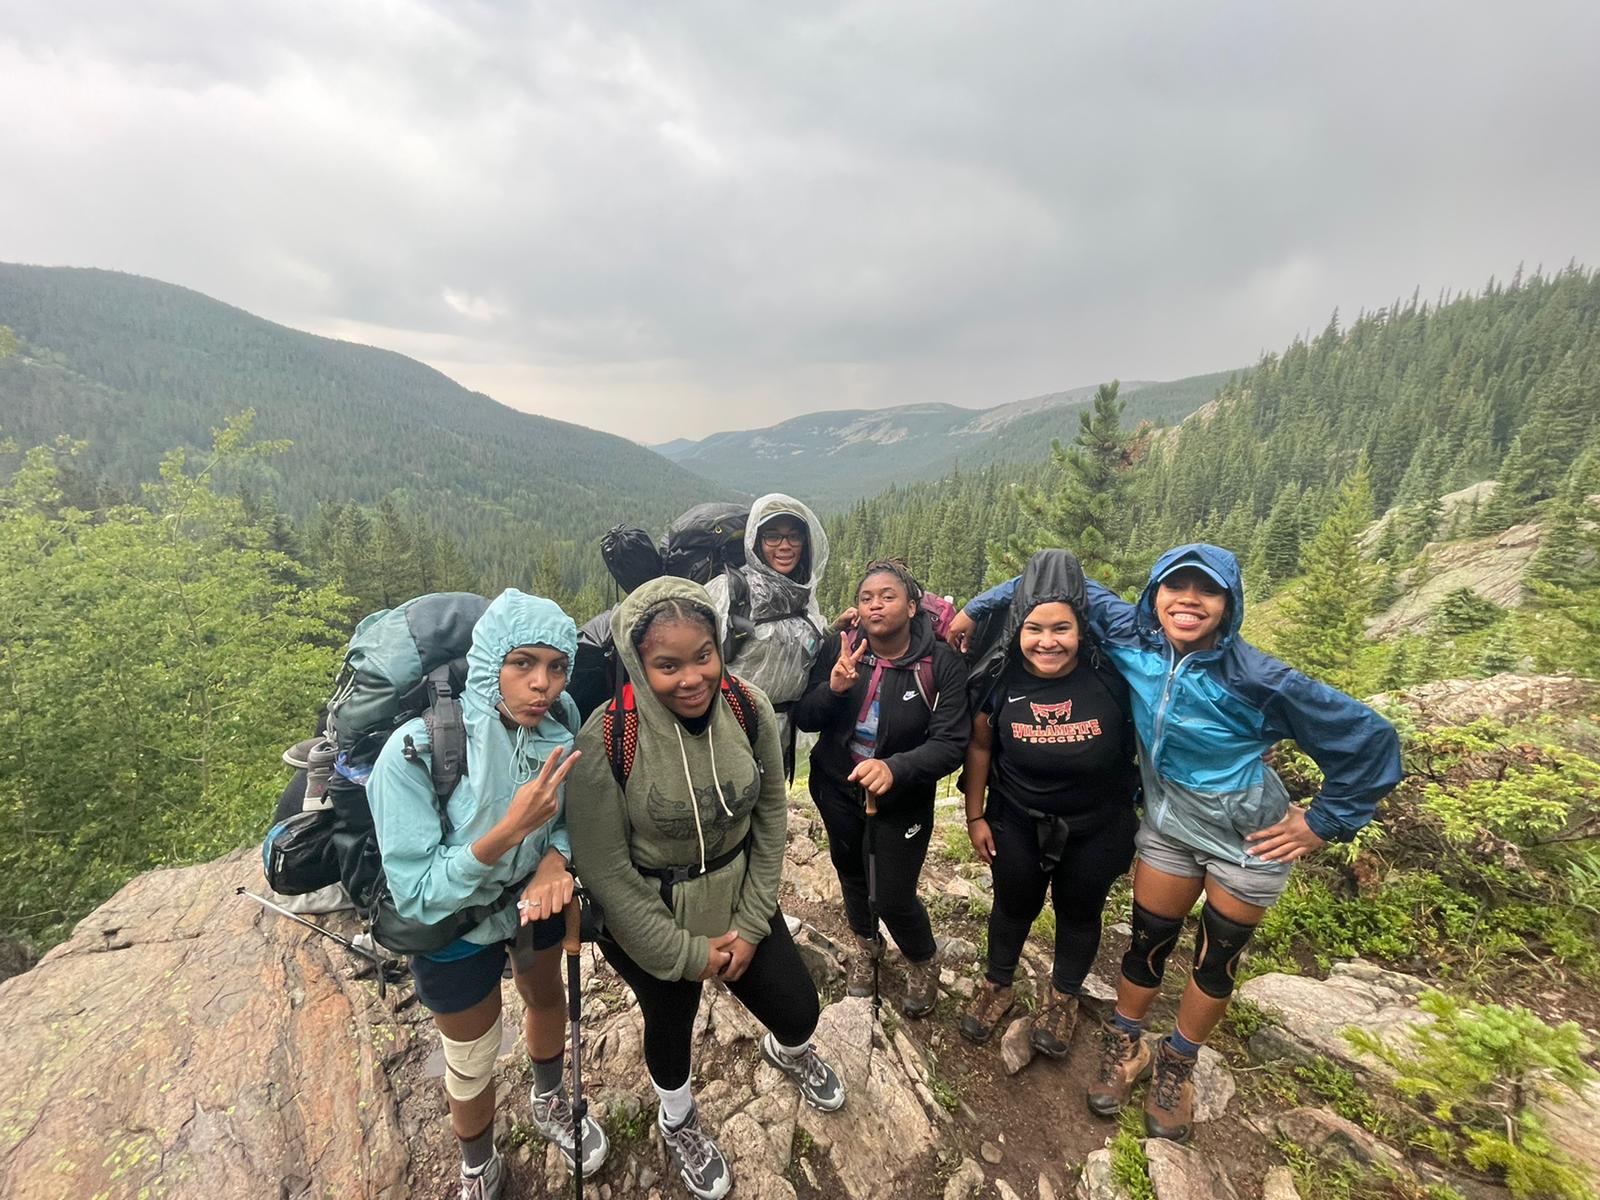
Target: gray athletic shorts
(1260, 886)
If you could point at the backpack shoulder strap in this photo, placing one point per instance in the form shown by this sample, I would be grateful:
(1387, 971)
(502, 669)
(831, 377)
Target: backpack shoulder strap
(925, 682)
(447, 734)
(742, 704)
(620, 729)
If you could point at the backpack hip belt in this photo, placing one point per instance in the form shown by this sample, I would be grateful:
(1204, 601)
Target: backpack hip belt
(670, 877)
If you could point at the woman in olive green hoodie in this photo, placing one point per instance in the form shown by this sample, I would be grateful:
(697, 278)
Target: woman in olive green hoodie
(685, 861)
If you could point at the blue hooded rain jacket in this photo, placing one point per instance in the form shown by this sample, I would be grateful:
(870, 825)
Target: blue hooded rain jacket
(1205, 720)
(432, 873)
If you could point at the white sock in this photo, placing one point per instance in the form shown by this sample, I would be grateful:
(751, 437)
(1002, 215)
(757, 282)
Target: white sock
(789, 1052)
(676, 1104)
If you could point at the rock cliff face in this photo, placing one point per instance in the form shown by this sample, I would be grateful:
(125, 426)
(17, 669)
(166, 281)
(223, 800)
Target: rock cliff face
(179, 1044)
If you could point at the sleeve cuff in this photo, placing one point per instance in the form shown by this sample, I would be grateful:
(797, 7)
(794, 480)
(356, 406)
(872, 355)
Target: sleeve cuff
(1319, 824)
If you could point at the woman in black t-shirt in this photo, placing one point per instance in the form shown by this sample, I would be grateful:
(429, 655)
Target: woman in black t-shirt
(1053, 747)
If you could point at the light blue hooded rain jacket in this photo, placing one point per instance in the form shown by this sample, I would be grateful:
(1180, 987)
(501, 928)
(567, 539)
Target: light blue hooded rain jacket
(432, 873)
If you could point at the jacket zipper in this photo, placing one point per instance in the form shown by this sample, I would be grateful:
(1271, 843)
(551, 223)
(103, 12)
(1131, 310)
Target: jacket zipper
(1174, 663)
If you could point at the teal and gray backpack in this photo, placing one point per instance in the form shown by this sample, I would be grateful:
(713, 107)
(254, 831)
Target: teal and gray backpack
(401, 663)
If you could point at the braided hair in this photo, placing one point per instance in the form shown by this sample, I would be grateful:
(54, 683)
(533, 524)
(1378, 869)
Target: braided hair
(898, 568)
(672, 610)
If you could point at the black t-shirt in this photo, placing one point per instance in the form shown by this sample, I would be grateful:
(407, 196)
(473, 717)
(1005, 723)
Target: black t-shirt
(1061, 746)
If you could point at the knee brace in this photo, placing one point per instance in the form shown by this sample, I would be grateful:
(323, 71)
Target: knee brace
(1153, 939)
(1217, 946)
(469, 1066)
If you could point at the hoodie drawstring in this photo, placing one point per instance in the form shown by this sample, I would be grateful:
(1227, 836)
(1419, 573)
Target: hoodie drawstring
(711, 743)
(694, 804)
(521, 769)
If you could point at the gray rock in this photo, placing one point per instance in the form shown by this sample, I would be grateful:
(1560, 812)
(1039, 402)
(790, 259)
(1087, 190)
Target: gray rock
(1016, 1050)
(1179, 1173)
(794, 923)
(959, 950)
(1047, 1190)
(1329, 1136)
(1005, 1191)
(990, 1153)
(1570, 1122)
(1213, 1085)
(1279, 1185)
(964, 987)
(1314, 1012)
(1097, 1182)
(967, 1182)
(1098, 989)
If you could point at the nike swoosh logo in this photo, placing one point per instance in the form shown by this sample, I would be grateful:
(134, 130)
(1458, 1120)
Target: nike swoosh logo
(911, 695)
(913, 831)
(1014, 699)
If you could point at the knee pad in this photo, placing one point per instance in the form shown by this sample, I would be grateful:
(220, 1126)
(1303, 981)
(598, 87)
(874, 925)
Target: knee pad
(1153, 939)
(1217, 946)
(469, 1066)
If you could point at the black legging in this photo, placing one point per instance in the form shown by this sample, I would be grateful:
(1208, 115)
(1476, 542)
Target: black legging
(1090, 864)
(775, 987)
(902, 845)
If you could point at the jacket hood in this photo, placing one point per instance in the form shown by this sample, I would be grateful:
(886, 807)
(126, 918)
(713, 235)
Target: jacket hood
(626, 620)
(776, 504)
(512, 619)
(1216, 562)
(1051, 577)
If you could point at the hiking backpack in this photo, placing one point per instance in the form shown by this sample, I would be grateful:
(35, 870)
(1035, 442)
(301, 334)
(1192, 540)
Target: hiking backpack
(401, 663)
(704, 540)
(620, 725)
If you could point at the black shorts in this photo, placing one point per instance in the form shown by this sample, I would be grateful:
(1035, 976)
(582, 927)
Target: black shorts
(455, 986)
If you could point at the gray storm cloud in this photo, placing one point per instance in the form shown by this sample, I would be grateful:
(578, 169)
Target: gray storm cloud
(669, 219)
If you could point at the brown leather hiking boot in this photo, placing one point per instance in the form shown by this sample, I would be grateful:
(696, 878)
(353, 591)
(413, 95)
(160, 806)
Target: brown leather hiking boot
(1123, 1062)
(858, 979)
(1169, 1104)
(1052, 1028)
(989, 1006)
(922, 987)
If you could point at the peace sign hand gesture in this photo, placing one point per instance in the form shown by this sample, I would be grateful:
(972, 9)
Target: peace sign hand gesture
(538, 800)
(843, 676)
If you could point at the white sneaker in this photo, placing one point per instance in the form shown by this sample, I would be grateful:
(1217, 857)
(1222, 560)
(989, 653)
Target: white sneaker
(552, 1117)
(484, 1183)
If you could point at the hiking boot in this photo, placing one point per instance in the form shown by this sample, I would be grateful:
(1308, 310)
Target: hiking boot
(858, 982)
(484, 1183)
(1169, 1104)
(1052, 1028)
(922, 987)
(552, 1117)
(815, 1078)
(989, 1006)
(700, 1164)
(1124, 1060)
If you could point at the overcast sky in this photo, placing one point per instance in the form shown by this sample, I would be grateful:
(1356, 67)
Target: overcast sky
(666, 219)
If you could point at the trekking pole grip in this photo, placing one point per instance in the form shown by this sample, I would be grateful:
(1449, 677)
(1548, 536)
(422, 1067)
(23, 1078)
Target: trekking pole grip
(572, 937)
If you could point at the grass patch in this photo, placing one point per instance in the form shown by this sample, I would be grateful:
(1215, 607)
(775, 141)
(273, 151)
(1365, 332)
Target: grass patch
(1130, 1169)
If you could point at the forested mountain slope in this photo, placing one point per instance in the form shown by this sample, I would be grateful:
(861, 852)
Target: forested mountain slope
(135, 367)
(832, 458)
(1502, 385)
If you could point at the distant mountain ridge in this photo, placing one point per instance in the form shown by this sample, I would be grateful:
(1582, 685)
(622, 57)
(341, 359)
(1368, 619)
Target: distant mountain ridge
(136, 366)
(832, 458)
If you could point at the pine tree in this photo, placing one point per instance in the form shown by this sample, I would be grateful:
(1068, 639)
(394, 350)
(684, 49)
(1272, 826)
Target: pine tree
(1327, 609)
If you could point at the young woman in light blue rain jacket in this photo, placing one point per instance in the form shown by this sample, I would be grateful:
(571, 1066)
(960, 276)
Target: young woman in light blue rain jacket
(505, 822)
(1217, 820)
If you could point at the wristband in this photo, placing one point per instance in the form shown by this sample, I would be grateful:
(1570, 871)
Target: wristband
(979, 817)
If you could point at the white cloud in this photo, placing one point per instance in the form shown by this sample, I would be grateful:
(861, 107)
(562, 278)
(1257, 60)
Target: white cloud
(666, 220)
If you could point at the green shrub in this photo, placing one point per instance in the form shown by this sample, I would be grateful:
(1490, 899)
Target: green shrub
(1478, 1069)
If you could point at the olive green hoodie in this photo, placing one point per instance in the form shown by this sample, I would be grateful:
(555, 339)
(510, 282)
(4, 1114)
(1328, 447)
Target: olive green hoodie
(690, 798)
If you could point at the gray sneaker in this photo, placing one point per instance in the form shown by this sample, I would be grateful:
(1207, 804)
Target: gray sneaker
(484, 1183)
(815, 1078)
(700, 1163)
(552, 1117)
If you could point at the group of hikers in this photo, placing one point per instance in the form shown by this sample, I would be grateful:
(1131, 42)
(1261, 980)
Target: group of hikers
(1089, 731)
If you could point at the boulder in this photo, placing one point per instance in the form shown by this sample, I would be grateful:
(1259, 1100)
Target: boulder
(966, 1183)
(1506, 697)
(185, 1043)
(1179, 1173)
(1570, 1122)
(1213, 1085)
(1279, 1185)
(1330, 1137)
(879, 1143)
(1312, 1013)
(1097, 1181)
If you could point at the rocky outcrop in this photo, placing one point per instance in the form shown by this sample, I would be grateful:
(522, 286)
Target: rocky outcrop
(1493, 567)
(180, 1044)
(1506, 697)
(1310, 1015)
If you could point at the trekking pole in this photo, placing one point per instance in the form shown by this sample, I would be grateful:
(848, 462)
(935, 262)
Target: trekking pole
(379, 964)
(572, 943)
(872, 895)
